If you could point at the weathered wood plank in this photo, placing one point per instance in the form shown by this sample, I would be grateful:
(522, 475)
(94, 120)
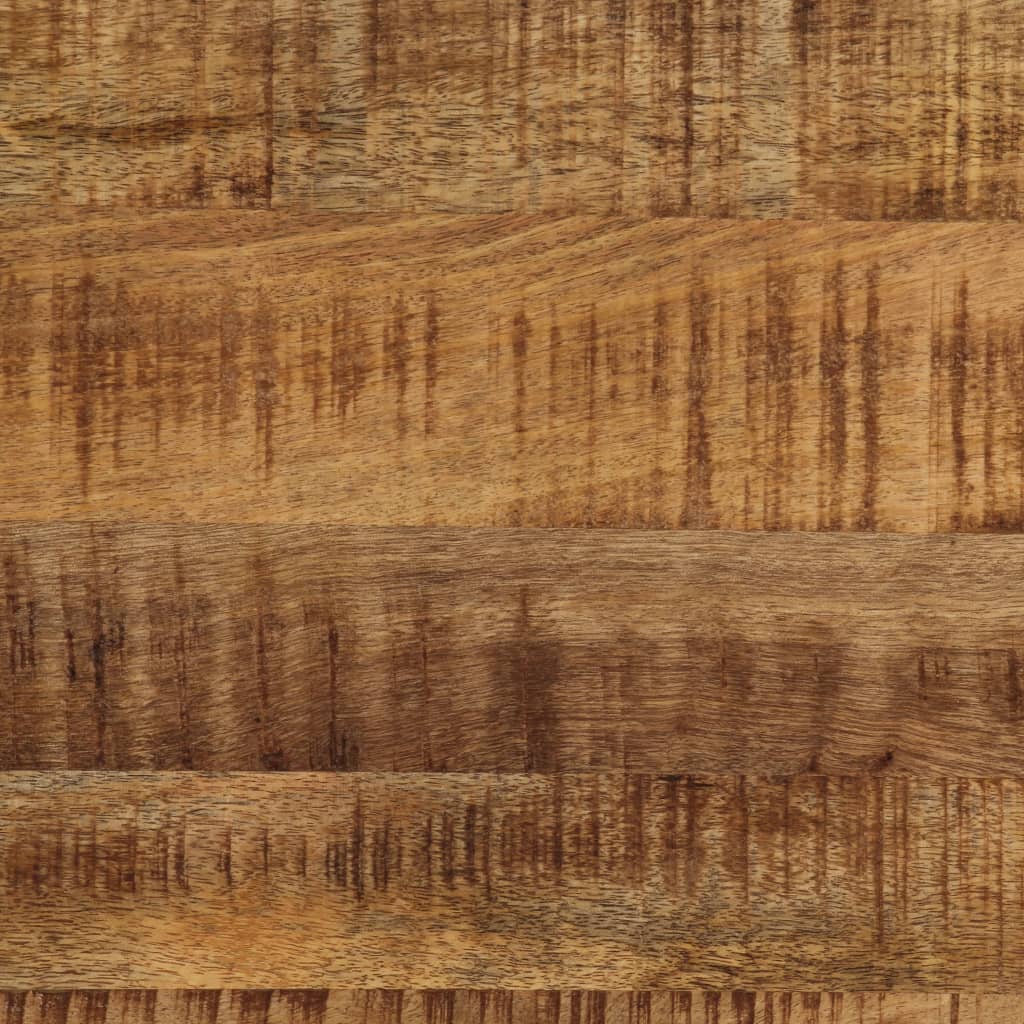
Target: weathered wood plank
(313, 880)
(479, 371)
(896, 109)
(236, 648)
(455, 1006)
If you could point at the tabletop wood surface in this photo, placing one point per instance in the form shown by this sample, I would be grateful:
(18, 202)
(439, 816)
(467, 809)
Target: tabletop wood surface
(511, 512)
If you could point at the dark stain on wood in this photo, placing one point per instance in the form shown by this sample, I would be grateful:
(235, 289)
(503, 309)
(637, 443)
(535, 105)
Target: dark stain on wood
(779, 389)
(431, 344)
(832, 368)
(959, 355)
(698, 512)
(870, 370)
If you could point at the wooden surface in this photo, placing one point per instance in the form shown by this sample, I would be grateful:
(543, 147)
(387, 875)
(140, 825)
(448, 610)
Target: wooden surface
(512, 371)
(906, 109)
(491, 512)
(519, 881)
(449, 1006)
(330, 648)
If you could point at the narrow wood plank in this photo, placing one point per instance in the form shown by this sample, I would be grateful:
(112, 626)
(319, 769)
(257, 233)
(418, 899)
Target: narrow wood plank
(478, 371)
(313, 880)
(509, 650)
(452, 1006)
(897, 109)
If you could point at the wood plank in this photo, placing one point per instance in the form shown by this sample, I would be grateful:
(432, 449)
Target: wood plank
(784, 108)
(536, 372)
(136, 104)
(453, 1006)
(431, 881)
(236, 648)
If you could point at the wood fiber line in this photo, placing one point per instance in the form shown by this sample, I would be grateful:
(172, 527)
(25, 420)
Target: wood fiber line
(513, 371)
(425, 881)
(904, 109)
(320, 648)
(454, 1006)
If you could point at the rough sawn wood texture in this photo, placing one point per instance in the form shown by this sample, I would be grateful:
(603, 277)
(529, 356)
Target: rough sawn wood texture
(511, 511)
(769, 108)
(600, 880)
(327, 648)
(454, 1006)
(513, 371)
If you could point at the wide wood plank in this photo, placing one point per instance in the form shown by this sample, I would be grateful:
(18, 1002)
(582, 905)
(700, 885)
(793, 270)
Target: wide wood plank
(478, 371)
(622, 881)
(237, 648)
(453, 1006)
(894, 109)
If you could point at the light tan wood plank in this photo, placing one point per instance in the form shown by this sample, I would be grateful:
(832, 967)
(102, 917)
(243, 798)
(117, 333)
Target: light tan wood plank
(299, 880)
(509, 650)
(478, 371)
(781, 108)
(452, 1006)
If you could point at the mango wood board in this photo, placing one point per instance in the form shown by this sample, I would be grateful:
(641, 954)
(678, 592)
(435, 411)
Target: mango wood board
(511, 512)
(606, 880)
(510, 371)
(907, 109)
(509, 650)
(451, 1006)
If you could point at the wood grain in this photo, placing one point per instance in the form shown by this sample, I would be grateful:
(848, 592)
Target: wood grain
(509, 371)
(780, 108)
(509, 650)
(312, 313)
(626, 881)
(450, 1006)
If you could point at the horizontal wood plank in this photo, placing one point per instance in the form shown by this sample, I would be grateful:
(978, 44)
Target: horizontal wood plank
(236, 648)
(453, 1006)
(506, 371)
(784, 108)
(433, 881)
